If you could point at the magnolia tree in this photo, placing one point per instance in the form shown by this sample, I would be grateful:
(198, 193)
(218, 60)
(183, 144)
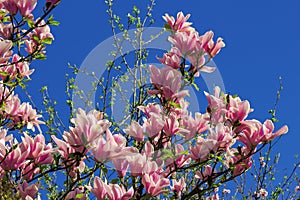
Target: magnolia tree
(159, 150)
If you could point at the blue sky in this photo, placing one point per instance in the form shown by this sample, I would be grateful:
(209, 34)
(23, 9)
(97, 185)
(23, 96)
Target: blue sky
(262, 43)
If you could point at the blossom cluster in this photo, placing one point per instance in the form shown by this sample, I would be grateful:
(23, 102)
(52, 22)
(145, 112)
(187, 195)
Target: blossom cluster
(157, 154)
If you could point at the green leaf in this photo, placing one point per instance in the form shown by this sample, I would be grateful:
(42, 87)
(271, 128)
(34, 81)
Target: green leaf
(54, 23)
(79, 196)
(47, 41)
(167, 27)
(30, 23)
(175, 105)
(40, 56)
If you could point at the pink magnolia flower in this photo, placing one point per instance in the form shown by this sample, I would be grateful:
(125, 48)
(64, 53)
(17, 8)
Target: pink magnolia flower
(252, 132)
(136, 131)
(12, 105)
(193, 125)
(180, 24)
(14, 158)
(206, 174)
(117, 192)
(72, 195)
(88, 128)
(11, 6)
(66, 150)
(154, 183)
(171, 126)
(217, 106)
(268, 128)
(111, 147)
(137, 163)
(28, 116)
(179, 186)
(202, 148)
(42, 31)
(6, 30)
(26, 6)
(112, 191)
(99, 189)
(151, 108)
(240, 160)
(237, 110)
(153, 125)
(28, 192)
(167, 82)
(207, 43)
(29, 170)
(5, 52)
(223, 135)
(121, 165)
(38, 148)
(184, 43)
(171, 59)
(19, 69)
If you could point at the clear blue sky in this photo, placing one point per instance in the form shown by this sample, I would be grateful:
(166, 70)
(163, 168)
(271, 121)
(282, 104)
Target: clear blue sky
(262, 43)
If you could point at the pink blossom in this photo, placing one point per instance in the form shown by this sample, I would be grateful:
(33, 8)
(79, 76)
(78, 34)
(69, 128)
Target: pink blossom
(207, 43)
(42, 31)
(184, 43)
(180, 24)
(136, 131)
(171, 59)
(171, 126)
(6, 30)
(179, 186)
(14, 158)
(5, 52)
(113, 147)
(167, 82)
(240, 159)
(237, 110)
(72, 195)
(11, 6)
(202, 148)
(153, 126)
(262, 193)
(26, 6)
(151, 108)
(19, 69)
(113, 191)
(117, 192)
(137, 163)
(121, 165)
(217, 106)
(28, 116)
(193, 125)
(252, 132)
(29, 171)
(223, 135)
(38, 149)
(88, 128)
(206, 174)
(154, 183)
(99, 189)
(28, 192)
(22, 67)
